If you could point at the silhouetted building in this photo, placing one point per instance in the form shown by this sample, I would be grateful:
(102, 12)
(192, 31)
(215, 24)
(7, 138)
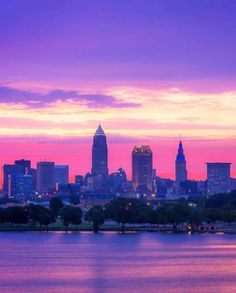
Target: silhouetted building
(190, 187)
(94, 183)
(10, 174)
(62, 174)
(202, 187)
(233, 183)
(32, 172)
(142, 168)
(28, 170)
(164, 187)
(70, 189)
(218, 178)
(24, 185)
(180, 166)
(86, 177)
(26, 164)
(46, 182)
(117, 180)
(99, 156)
(79, 179)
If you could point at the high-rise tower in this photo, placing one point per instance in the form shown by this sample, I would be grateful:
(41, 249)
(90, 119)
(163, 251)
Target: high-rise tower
(180, 165)
(99, 155)
(46, 177)
(218, 178)
(142, 168)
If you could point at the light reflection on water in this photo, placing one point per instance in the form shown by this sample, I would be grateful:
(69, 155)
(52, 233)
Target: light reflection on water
(111, 262)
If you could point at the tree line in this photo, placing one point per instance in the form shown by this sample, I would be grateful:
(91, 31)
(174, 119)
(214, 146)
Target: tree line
(193, 212)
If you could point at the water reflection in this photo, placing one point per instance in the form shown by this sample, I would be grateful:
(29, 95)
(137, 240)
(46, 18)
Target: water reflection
(111, 262)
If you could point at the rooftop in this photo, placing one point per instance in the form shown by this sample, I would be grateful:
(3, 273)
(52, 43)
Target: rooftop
(142, 149)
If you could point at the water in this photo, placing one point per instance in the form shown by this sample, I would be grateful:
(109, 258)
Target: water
(111, 262)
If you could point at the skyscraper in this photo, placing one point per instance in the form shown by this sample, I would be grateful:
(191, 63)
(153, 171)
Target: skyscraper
(10, 174)
(62, 174)
(180, 166)
(26, 164)
(24, 185)
(218, 178)
(46, 177)
(142, 168)
(99, 156)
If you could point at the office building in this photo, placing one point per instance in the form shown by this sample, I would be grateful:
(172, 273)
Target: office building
(180, 166)
(46, 182)
(10, 174)
(26, 164)
(100, 156)
(142, 169)
(62, 174)
(24, 185)
(218, 178)
(117, 180)
(79, 179)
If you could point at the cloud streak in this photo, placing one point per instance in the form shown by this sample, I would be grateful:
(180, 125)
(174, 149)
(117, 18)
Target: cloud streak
(38, 100)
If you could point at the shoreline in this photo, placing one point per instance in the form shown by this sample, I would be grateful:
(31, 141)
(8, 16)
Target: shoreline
(225, 230)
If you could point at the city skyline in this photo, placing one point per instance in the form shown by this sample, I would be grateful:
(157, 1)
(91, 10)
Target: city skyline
(138, 69)
(117, 117)
(99, 154)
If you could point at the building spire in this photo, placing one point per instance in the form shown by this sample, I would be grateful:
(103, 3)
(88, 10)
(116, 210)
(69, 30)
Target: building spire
(180, 155)
(99, 130)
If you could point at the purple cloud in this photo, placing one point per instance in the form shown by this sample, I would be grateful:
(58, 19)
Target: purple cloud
(38, 100)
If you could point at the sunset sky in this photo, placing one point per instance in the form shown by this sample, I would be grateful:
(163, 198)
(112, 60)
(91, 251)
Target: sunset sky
(148, 71)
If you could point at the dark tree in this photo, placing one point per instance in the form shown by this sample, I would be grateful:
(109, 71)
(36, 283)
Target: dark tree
(196, 217)
(77, 214)
(212, 215)
(163, 215)
(71, 215)
(228, 216)
(34, 212)
(96, 215)
(178, 213)
(3, 216)
(218, 200)
(46, 217)
(74, 199)
(17, 215)
(125, 210)
(150, 216)
(56, 204)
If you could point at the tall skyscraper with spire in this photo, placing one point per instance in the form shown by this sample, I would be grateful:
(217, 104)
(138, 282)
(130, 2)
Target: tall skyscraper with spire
(180, 165)
(99, 155)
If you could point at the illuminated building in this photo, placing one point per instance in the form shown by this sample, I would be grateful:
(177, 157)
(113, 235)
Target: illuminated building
(142, 168)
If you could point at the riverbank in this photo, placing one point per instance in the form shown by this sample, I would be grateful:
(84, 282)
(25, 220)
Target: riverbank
(58, 227)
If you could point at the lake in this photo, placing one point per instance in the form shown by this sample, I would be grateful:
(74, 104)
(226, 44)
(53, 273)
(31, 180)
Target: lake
(112, 262)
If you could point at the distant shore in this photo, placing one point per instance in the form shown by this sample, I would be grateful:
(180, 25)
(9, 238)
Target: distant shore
(86, 227)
